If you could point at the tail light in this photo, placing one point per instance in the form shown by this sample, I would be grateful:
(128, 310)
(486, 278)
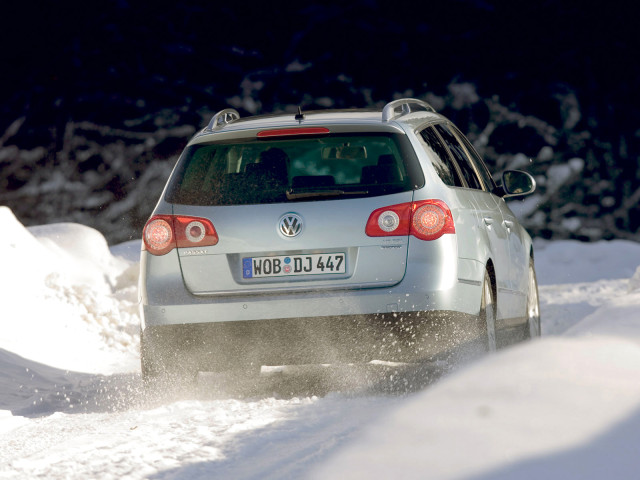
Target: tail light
(163, 233)
(390, 221)
(426, 220)
(158, 235)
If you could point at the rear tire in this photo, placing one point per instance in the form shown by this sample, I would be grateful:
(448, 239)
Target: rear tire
(488, 312)
(533, 329)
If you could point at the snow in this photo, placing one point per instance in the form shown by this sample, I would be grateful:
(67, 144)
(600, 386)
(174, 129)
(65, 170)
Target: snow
(62, 285)
(564, 406)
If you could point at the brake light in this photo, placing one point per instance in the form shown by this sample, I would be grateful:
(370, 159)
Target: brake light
(431, 220)
(158, 235)
(292, 132)
(163, 233)
(426, 220)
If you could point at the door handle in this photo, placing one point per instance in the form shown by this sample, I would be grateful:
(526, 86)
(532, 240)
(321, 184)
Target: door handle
(488, 221)
(508, 224)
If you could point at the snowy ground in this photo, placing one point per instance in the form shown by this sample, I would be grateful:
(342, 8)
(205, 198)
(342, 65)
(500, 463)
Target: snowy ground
(562, 407)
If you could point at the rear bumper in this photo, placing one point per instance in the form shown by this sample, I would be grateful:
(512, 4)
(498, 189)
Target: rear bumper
(288, 341)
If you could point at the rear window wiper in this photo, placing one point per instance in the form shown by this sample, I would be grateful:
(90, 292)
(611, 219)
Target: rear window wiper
(294, 195)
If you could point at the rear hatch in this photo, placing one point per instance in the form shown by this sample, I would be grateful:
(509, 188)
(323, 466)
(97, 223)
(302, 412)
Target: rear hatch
(290, 211)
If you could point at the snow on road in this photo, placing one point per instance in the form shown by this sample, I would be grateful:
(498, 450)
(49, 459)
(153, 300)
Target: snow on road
(71, 403)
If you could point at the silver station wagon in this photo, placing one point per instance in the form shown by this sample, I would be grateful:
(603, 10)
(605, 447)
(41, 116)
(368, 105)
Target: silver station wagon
(330, 237)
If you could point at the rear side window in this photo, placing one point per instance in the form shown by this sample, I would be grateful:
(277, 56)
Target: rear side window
(287, 170)
(441, 161)
(481, 167)
(460, 156)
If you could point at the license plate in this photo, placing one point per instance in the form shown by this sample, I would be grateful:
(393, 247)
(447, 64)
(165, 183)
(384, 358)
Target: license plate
(293, 265)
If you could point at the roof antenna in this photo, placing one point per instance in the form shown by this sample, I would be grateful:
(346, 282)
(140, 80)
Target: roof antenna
(299, 116)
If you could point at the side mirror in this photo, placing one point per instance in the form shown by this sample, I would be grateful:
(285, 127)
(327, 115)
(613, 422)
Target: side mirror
(516, 183)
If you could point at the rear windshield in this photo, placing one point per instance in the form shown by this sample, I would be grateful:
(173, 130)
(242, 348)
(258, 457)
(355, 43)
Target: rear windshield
(293, 170)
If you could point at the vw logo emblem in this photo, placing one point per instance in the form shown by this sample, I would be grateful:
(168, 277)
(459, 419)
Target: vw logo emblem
(290, 225)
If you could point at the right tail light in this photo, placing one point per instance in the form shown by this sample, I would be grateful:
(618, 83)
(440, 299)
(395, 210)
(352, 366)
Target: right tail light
(425, 219)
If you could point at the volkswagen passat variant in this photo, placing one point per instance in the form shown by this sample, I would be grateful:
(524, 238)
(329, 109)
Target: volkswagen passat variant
(332, 236)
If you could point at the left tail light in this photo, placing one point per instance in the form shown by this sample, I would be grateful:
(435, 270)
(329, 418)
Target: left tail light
(163, 233)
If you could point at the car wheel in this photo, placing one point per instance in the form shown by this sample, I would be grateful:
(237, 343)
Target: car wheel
(533, 304)
(488, 312)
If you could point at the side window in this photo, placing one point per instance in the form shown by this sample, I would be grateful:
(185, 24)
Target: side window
(441, 160)
(460, 156)
(481, 167)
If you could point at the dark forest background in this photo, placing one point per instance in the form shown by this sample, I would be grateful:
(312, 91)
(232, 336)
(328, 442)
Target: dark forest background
(97, 99)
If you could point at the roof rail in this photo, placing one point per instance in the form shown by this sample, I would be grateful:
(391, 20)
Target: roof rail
(407, 105)
(222, 118)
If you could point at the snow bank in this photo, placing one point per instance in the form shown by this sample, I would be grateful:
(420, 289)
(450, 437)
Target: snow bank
(548, 409)
(67, 302)
(556, 408)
